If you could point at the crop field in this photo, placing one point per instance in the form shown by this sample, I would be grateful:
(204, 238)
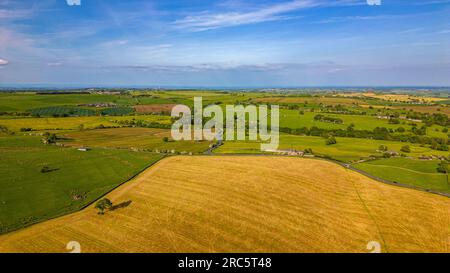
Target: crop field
(62, 111)
(72, 123)
(310, 100)
(444, 109)
(250, 204)
(137, 138)
(117, 111)
(73, 180)
(154, 108)
(396, 97)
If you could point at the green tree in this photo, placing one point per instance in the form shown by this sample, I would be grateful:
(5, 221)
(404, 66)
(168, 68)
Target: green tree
(103, 204)
(405, 149)
(383, 148)
(48, 138)
(330, 141)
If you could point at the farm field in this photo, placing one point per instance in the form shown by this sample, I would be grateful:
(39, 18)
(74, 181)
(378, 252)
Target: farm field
(154, 108)
(293, 119)
(137, 138)
(253, 204)
(395, 97)
(408, 171)
(346, 149)
(18, 102)
(137, 124)
(73, 179)
(309, 100)
(73, 123)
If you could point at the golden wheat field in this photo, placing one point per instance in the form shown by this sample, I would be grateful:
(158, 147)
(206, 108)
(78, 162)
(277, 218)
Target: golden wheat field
(249, 204)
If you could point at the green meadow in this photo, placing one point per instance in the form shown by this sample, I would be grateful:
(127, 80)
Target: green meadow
(414, 172)
(72, 180)
(346, 149)
(73, 123)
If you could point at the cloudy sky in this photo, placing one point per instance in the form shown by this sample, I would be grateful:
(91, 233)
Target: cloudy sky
(225, 43)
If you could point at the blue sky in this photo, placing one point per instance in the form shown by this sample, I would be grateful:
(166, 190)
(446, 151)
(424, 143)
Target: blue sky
(225, 43)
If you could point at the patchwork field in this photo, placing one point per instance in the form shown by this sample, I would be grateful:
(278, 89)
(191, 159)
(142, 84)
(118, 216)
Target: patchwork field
(138, 138)
(395, 97)
(73, 123)
(249, 204)
(154, 108)
(293, 119)
(346, 149)
(309, 100)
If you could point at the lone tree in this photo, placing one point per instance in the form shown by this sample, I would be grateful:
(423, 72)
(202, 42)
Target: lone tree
(405, 149)
(330, 141)
(102, 205)
(383, 148)
(48, 138)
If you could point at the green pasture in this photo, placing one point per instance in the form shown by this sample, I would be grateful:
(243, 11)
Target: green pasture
(73, 123)
(75, 178)
(346, 149)
(293, 119)
(414, 172)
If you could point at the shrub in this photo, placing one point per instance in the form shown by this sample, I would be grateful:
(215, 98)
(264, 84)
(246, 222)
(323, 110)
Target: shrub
(383, 148)
(405, 149)
(330, 141)
(45, 169)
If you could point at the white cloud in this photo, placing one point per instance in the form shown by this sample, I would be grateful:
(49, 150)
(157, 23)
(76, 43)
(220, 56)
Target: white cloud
(55, 64)
(361, 18)
(206, 21)
(3, 62)
(209, 67)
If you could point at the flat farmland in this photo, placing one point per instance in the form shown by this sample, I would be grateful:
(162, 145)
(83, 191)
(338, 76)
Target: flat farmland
(154, 108)
(139, 138)
(293, 119)
(25, 101)
(415, 172)
(396, 97)
(72, 123)
(309, 100)
(250, 204)
(346, 149)
(73, 179)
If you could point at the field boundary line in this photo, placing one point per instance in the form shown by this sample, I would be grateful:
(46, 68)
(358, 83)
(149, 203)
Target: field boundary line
(366, 208)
